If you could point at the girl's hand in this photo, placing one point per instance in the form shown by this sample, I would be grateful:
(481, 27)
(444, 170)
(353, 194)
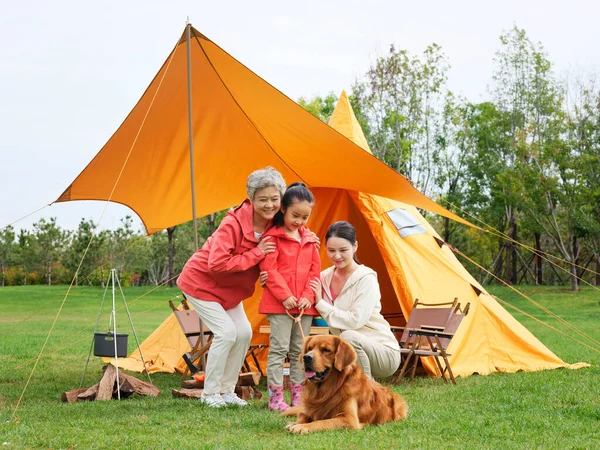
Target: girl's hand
(304, 303)
(317, 288)
(290, 303)
(266, 246)
(262, 279)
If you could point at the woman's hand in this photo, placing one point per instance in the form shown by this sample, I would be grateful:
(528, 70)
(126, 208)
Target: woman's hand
(304, 303)
(317, 288)
(266, 246)
(318, 241)
(290, 303)
(262, 279)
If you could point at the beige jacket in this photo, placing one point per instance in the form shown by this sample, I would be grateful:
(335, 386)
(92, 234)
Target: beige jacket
(357, 307)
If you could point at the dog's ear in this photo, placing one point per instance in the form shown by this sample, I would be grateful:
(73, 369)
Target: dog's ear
(344, 355)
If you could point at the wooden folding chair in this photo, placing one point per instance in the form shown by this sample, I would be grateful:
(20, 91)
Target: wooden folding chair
(428, 314)
(197, 334)
(432, 339)
(200, 338)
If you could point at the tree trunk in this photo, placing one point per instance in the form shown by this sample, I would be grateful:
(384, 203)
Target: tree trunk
(510, 264)
(538, 259)
(500, 266)
(574, 280)
(171, 263)
(574, 283)
(211, 224)
(446, 229)
(513, 250)
(598, 270)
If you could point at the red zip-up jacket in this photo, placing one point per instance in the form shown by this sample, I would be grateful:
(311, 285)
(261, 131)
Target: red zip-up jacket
(290, 267)
(225, 269)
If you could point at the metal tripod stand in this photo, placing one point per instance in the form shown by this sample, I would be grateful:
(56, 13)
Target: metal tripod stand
(114, 280)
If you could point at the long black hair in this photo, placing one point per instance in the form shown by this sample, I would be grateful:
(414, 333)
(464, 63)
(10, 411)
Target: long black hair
(344, 230)
(294, 192)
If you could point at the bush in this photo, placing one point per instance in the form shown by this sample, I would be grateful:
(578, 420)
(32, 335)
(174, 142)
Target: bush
(134, 280)
(13, 276)
(35, 278)
(60, 274)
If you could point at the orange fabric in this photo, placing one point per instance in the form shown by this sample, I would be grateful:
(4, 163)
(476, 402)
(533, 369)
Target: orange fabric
(344, 121)
(241, 123)
(290, 268)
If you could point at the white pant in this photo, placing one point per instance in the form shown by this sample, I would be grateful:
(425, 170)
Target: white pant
(375, 359)
(232, 333)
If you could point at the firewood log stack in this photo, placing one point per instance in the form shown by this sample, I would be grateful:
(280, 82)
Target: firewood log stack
(106, 388)
(245, 388)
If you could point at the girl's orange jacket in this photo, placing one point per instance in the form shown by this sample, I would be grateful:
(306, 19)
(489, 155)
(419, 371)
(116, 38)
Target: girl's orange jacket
(290, 267)
(225, 269)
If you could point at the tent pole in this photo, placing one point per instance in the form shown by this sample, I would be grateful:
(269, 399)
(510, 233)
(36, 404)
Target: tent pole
(191, 131)
(193, 185)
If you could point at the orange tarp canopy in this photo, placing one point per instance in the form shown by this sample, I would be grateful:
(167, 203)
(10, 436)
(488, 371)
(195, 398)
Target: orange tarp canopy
(240, 124)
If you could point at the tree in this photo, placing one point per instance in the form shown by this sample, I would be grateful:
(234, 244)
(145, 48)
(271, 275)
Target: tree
(578, 170)
(94, 256)
(118, 245)
(321, 107)
(526, 91)
(485, 193)
(51, 240)
(7, 247)
(158, 261)
(401, 100)
(454, 141)
(27, 254)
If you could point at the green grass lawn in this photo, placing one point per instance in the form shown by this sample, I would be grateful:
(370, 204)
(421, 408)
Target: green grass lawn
(550, 409)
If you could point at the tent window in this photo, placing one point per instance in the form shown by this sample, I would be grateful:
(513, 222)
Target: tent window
(406, 224)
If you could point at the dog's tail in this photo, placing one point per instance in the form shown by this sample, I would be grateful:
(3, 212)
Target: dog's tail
(399, 407)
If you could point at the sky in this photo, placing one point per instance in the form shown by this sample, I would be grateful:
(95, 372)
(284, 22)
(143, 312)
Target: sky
(70, 71)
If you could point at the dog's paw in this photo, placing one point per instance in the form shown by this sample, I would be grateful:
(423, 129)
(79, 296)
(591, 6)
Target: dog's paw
(297, 428)
(291, 412)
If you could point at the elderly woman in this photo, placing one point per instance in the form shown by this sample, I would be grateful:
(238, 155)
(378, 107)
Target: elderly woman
(348, 298)
(222, 273)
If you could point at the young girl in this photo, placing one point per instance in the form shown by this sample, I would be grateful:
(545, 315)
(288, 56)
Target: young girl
(347, 296)
(289, 270)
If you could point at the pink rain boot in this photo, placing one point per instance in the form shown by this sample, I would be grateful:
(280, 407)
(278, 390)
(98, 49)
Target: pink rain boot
(276, 400)
(296, 390)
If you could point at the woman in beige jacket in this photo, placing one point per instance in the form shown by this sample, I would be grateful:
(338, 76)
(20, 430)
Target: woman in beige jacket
(347, 296)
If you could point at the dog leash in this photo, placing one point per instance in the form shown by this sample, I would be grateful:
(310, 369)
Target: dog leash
(297, 319)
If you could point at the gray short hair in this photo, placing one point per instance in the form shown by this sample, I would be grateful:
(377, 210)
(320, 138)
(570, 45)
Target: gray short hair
(262, 178)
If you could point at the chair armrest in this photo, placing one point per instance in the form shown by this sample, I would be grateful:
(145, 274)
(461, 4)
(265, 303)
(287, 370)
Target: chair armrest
(432, 327)
(422, 332)
(397, 329)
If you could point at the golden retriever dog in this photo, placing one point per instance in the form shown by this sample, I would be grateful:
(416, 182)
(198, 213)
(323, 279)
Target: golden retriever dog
(337, 393)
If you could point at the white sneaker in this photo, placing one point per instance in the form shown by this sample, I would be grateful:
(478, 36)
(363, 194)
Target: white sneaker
(212, 400)
(231, 398)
